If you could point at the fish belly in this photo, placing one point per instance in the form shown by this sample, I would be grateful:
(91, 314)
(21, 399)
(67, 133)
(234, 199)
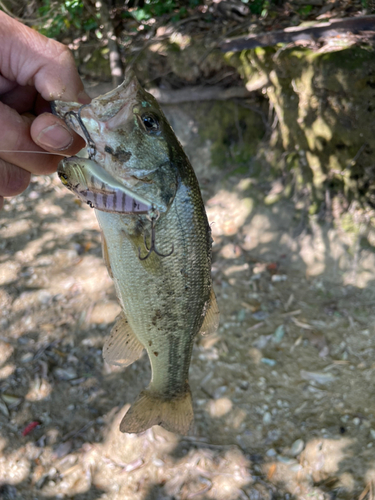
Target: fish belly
(163, 298)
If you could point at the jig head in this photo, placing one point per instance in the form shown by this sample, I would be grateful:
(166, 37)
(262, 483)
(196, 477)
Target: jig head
(153, 217)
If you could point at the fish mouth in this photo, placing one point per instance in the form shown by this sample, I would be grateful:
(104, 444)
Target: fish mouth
(96, 187)
(86, 119)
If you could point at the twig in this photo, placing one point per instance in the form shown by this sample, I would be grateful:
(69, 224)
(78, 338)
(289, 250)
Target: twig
(73, 434)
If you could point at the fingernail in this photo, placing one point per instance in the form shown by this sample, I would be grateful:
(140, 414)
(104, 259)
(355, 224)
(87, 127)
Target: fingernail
(84, 98)
(55, 137)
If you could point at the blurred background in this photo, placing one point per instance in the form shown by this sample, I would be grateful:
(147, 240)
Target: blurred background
(274, 102)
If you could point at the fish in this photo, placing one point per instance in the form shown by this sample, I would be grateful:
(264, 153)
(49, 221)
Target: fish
(156, 242)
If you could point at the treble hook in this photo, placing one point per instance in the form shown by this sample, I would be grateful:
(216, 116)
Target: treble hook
(153, 218)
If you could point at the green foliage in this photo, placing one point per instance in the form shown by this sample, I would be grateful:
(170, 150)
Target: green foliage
(305, 10)
(60, 16)
(156, 8)
(260, 7)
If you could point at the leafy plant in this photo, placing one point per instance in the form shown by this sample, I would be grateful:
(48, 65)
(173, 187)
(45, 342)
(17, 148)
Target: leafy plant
(59, 16)
(305, 10)
(260, 7)
(156, 8)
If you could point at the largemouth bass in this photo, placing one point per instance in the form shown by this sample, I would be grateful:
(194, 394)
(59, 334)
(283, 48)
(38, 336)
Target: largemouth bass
(156, 243)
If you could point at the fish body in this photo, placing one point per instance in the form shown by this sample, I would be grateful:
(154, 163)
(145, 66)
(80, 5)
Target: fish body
(156, 243)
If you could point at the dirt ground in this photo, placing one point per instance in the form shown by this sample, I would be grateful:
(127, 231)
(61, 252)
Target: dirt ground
(283, 394)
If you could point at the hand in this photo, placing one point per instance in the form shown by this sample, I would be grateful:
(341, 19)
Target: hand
(33, 71)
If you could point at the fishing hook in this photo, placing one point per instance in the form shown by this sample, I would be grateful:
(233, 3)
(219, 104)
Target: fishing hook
(90, 143)
(153, 218)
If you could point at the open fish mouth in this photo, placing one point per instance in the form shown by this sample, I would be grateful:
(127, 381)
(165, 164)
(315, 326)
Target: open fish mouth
(96, 187)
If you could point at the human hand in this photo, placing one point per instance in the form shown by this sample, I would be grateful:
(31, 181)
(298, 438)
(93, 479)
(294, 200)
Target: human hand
(33, 71)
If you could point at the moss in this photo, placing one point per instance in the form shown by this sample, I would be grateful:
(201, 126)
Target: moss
(233, 131)
(325, 104)
(348, 225)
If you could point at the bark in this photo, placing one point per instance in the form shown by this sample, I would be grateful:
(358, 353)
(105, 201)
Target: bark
(114, 53)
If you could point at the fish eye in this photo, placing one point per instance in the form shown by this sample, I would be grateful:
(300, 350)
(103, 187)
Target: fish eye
(150, 123)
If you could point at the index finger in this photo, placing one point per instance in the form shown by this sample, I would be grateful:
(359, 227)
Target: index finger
(30, 58)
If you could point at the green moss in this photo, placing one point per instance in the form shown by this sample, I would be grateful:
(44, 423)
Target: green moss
(233, 131)
(348, 225)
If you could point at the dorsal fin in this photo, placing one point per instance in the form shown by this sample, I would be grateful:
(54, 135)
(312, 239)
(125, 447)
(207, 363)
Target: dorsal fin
(121, 346)
(212, 317)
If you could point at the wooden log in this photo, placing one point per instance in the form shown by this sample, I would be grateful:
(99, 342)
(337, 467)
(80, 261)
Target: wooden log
(332, 28)
(199, 93)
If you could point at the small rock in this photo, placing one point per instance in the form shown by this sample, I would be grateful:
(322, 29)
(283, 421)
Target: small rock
(271, 453)
(267, 418)
(33, 195)
(4, 410)
(269, 362)
(319, 377)
(296, 467)
(11, 400)
(62, 450)
(44, 296)
(241, 315)
(262, 341)
(356, 421)
(297, 447)
(220, 407)
(65, 373)
(372, 432)
(260, 315)
(26, 358)
(286, 460)
(279, 334)
(279, 277)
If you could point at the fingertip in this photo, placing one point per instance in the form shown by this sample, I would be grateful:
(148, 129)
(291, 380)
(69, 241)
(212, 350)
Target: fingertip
(55, 137)
(84, 98)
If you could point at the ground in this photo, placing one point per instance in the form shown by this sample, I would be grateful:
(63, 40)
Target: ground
(283, 393)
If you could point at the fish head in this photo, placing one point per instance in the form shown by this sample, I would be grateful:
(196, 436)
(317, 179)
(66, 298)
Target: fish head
(125, 130)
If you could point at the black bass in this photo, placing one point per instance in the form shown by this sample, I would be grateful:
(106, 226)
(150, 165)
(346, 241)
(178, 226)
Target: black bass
(156, 243)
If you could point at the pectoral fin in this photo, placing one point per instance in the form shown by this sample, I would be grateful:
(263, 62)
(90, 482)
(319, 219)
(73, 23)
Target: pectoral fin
(106, 256)
(122, 347)
(212, 317)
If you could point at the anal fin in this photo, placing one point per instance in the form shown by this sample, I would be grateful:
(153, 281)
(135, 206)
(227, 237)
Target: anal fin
(212, 317)
(121, 346)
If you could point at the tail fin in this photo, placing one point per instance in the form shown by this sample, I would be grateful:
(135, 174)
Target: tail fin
(175, 415)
